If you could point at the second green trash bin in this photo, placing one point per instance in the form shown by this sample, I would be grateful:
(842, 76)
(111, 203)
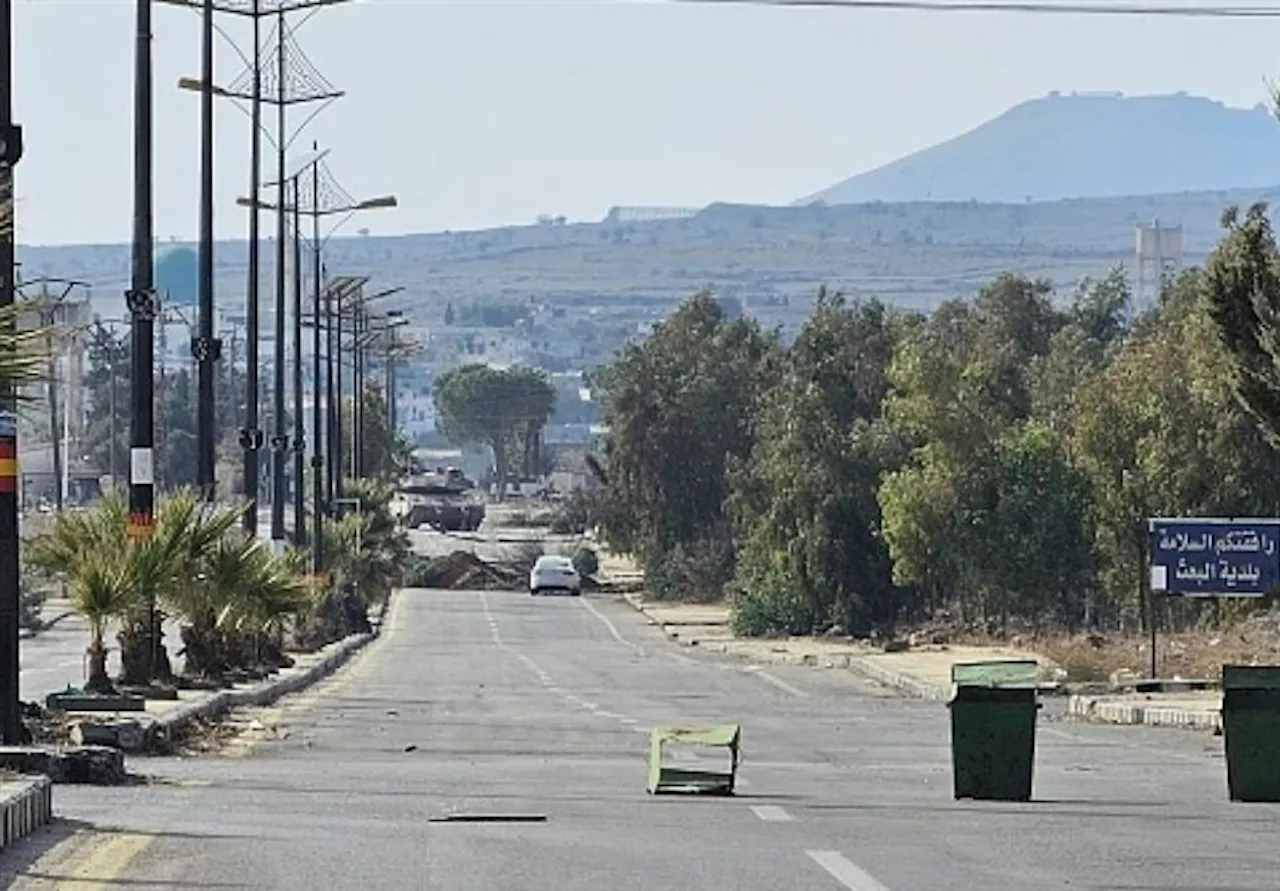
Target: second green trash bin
(993, 729)
(1251, 731)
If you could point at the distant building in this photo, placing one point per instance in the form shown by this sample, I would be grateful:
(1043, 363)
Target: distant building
(646, 214)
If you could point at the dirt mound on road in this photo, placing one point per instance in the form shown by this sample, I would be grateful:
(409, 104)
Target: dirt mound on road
(463, 571)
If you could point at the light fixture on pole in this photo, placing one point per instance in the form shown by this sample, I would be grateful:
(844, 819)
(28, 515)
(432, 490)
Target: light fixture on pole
(291, 79)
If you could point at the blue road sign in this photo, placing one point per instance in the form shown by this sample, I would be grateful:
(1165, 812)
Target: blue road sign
(1210, 557)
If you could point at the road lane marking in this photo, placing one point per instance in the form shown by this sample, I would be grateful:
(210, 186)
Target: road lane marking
(771, 813)
(782, 685)
(845, 872)
(608, 623)
(104, 865)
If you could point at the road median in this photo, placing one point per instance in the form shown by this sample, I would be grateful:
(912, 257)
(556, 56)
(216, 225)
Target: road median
(165, 722)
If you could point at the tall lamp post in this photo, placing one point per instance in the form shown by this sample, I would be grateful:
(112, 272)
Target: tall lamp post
(250, 86)
(384, 331)
(359, 340)
(50, 307)
(320, 196)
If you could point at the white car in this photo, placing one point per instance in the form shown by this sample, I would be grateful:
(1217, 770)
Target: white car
(552, 573)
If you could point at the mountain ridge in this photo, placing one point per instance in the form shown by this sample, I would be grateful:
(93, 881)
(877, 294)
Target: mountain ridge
(1082, 145)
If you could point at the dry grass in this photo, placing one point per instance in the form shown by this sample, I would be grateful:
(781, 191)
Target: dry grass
(1195, 654)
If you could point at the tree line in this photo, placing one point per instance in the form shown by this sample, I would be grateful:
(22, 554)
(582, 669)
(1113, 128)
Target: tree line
(994, 460)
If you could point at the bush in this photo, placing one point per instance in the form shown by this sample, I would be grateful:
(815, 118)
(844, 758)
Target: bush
(587, 562)
(32, 596)
(421, 572)
(573, 516)
(694, 573)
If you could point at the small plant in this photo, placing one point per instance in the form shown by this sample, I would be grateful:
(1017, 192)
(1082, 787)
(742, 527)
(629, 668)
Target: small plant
(587, 562)
(32, 596)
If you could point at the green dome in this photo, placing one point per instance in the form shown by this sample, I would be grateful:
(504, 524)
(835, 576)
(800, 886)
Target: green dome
(176, 270)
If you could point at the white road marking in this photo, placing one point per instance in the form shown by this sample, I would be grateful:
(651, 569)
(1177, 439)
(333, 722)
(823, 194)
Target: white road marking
(771, 813)
(613, 629)
(777, 682)
(629, 721)
(845, 872)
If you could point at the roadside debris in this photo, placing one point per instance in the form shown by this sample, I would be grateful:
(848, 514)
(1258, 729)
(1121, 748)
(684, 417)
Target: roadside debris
(665, 778)
(465, 571)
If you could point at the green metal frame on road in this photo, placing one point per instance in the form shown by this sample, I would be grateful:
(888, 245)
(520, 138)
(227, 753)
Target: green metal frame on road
(664, 779)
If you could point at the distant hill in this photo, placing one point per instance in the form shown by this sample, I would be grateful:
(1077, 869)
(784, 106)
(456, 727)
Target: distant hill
(772, 259)
(1084, 146)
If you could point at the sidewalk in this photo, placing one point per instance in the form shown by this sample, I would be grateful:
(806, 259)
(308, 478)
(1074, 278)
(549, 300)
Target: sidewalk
(922, 671)
(163, 719)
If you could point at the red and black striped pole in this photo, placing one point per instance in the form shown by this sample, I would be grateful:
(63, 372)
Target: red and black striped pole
(11, 729)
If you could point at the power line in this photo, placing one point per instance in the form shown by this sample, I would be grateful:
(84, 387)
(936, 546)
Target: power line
(1025, 6)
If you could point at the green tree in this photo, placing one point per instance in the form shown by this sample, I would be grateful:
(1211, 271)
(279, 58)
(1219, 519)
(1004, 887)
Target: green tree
(805, 507)
(504, 409)
(679, 408)
(1242, 279)
(385, 453)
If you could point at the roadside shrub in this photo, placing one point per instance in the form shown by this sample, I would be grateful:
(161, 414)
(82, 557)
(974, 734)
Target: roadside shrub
(587, 562)
(573, 516)
(693, 573)
(421, 572)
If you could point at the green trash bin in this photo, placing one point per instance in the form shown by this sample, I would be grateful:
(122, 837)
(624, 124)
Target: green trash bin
(1251, 731)
(993, 729)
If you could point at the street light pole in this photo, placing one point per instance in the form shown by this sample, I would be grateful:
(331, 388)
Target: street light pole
(357, 387)
(143, 308)
(337, 406)
(280, 439)
(11, 728)
(206, 349)
(299, 431)
(251, 435)
(317, 436)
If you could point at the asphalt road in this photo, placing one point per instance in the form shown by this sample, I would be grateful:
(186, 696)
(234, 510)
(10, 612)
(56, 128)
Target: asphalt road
(504, 704)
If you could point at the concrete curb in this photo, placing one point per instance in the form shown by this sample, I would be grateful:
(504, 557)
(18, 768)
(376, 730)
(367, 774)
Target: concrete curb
(335, 656)
(906, 684)
(896, 680)
(1100, 711)
(25, 809)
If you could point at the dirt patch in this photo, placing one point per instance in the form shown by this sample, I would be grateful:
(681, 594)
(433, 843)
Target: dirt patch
(462, 570)
(1107, 656)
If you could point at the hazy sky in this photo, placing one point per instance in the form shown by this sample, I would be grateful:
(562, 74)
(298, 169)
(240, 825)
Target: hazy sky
(485, 112)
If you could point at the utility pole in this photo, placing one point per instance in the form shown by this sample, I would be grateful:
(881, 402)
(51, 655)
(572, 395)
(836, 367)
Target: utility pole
(358, 323)
(299, 430)
(48, 319)
(11, 728)
(251, 434)
(317, 435)
(206, 349)
(143, 307)
(337, 413)
(279, 438)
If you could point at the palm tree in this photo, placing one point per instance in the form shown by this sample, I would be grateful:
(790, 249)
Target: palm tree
(240, 601)
(90, 550)
(102, 590)
(22, 354)
(167, 565)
